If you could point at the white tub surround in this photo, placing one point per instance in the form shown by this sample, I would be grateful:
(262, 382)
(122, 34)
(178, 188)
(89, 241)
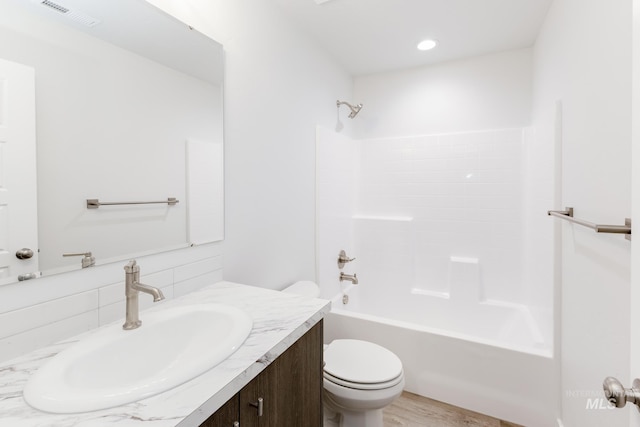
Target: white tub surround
(440, 214)
(279, 320)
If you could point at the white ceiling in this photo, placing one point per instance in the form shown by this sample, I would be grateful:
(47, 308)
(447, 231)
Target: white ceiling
(371, 36)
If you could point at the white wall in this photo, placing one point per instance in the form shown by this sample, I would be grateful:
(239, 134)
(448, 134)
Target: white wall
(583, 58)
(279, 85)
(635, 174)
(485, 92)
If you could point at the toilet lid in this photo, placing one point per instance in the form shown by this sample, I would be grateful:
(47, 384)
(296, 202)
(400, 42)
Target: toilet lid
(361, 362)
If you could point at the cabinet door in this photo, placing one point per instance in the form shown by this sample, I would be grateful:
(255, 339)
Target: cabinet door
(226, 416)
(291, 387)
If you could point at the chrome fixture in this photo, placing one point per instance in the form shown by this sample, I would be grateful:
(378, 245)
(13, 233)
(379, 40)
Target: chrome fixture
(132, 288)
(352, 278)
(618, 396)
(567, 214)
(259, 405)
(28, 276)
(354, 109)
(96, 203)
(24, 253)
(87, 261)
(343, 259)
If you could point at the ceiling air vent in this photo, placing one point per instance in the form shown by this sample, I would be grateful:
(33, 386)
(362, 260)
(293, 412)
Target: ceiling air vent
(55, 6)
(74, 15)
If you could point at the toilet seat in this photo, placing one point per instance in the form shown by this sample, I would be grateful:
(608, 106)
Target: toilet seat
(363, 386)
(361, 365)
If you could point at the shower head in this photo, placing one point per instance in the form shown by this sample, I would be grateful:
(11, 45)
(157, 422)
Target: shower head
(354, 109)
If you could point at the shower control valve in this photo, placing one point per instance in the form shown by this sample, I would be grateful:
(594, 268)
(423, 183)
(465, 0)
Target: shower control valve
(343, 259)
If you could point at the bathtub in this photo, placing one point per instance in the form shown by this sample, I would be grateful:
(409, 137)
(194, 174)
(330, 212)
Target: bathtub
(487, 357)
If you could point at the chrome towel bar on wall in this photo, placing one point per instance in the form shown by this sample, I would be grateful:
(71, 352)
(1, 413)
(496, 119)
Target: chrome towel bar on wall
(567, 215)
(95, 203)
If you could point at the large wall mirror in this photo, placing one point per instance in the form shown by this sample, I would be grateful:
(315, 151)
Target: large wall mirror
(123, 104)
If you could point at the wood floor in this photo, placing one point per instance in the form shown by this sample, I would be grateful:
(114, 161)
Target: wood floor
(411, 410)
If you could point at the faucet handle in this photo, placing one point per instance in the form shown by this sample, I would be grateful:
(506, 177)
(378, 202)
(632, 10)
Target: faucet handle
(343, 259)
(132, 267)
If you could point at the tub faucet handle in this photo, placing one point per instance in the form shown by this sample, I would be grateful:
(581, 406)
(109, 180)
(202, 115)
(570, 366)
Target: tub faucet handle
(343, 259)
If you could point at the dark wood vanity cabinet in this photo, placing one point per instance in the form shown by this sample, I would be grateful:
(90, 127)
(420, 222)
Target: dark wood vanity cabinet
(290, 389)
(226, 416)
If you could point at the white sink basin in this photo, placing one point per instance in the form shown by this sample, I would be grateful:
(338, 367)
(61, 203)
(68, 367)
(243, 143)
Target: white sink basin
(113, 366)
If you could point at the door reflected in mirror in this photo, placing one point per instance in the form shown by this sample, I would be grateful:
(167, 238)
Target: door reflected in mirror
(127, 109)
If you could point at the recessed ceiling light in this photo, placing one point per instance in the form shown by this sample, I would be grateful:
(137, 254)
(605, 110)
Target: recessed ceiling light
(427, 44)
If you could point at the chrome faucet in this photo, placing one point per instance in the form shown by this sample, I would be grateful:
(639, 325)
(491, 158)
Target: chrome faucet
(352, 278)
(132, 289)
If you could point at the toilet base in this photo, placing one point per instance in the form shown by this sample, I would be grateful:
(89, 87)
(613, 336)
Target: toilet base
(371, 418)
(330, 418)
(336, 416)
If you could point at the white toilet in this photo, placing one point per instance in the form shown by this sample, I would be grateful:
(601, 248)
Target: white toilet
(360, 377)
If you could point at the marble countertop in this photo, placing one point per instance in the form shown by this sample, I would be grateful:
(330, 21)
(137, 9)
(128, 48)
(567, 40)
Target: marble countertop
(279, 319)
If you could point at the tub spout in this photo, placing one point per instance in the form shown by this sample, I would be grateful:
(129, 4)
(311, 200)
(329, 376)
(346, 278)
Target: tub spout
(352, 278)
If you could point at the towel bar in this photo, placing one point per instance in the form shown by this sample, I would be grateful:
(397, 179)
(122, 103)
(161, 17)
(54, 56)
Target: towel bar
(95, 203)
(567, 215)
